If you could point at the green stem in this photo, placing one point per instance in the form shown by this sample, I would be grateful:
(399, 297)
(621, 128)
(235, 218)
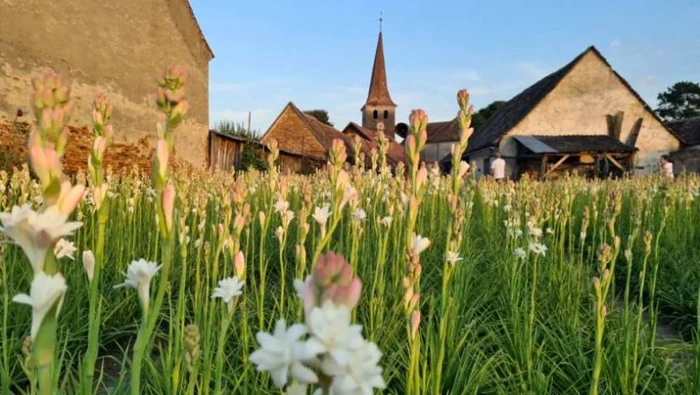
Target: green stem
(228, 314)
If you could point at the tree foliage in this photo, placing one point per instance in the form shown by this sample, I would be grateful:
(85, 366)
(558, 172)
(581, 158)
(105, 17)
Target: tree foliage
(321, 115)
(236, 129)
(480, 117)
(680, 101)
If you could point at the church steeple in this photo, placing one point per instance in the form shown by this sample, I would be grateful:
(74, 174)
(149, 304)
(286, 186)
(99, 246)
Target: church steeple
(379, 110)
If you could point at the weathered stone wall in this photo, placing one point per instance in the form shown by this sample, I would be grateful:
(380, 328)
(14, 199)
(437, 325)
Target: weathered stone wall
(293, 135)
(686, 160)
(435, 152)
(119, 48)
(578, 105)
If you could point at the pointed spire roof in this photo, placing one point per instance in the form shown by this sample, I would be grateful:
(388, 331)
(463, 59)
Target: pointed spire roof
(378, 87)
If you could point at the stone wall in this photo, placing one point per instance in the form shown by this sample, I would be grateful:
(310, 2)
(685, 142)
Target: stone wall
(118, 48)
(578, 105)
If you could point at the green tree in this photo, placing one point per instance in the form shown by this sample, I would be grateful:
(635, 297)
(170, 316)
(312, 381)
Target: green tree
(236, 129)
(680, 101)
(480, 117)
(321, 115)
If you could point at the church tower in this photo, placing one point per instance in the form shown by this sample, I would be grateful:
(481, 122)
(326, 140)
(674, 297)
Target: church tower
(379, 111)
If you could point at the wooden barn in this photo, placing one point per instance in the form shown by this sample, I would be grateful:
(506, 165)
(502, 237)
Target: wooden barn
(225, 151)
(583, 117)
(688, 157)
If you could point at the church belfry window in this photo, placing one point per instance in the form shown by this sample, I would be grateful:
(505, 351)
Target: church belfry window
(386, 114)
(375, 115)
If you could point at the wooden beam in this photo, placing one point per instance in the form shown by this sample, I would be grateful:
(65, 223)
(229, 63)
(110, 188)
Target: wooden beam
(559, 162)
(614, 162)
(543, 167)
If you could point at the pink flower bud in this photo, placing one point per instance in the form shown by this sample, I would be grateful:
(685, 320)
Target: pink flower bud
(89, 264)
(463, 169)
(169, 206)
(421, 177)
(415, 322)
(418, 120)
(463, 99)
(162, 157)
(99, 147)
(239, 265)
(109, 133)
(69, 197)
(335, 280)
(411, 143)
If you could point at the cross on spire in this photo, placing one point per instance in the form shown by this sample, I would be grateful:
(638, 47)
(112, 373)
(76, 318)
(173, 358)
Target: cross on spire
(381, 19)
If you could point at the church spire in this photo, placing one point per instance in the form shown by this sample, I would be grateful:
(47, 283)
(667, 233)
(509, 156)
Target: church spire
(378, 87)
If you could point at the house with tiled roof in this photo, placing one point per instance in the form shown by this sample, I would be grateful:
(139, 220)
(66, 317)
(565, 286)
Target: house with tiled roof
(583, 118)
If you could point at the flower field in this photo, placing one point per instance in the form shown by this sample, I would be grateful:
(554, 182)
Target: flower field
(352, 280)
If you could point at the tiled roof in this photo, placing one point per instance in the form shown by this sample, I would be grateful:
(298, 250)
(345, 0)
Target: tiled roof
(439, 132)
(573, 144)
(688, 130)
(395, 153)
(378, 88)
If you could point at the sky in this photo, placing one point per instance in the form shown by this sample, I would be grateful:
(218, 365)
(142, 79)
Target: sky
(319, 54)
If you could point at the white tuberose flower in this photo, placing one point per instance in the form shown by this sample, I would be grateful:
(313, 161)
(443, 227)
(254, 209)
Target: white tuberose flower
(138, 275)
(332, 332)
(283, 352)
(64, 248)
(45, 293)
(321, 214)
(228, 289)
(36, 232)
(361, 375)
(281, 206)
(538, 248)
(452, 258)
(359, 215)
(420, 244)
(520, 253)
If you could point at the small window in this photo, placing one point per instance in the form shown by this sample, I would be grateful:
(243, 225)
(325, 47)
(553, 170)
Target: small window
(386, 114)
(375, 114)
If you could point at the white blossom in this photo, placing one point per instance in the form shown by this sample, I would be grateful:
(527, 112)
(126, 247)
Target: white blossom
(538, 248)
(36, 232)
(361, 375)
(64, 249)
(282, 353)
(520, 253)
(138, 275)
(333, 333)
(45, 293)
(321, 214)
(228, 289)
(386, 221)
(281, 206)
(452, 258)
(359, 215)
(420, 244)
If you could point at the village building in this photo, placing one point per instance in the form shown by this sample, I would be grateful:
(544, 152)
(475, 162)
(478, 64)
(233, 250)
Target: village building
(118, 48)
(583, 118)
(441, 137)
(308, 140)
(688, 157)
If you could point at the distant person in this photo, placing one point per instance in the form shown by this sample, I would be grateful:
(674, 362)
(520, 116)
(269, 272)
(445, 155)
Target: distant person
(666, 166)
(498, 168)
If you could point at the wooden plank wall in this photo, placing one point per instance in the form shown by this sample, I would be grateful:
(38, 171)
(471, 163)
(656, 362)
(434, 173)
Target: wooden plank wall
(224, 154)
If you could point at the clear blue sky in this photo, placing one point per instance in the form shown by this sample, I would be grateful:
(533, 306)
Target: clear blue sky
(319, 54)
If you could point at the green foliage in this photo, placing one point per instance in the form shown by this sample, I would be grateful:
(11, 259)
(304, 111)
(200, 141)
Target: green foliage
(480, 118)
(321, 115)
(236, 129)
(251, 158)
(680, 101)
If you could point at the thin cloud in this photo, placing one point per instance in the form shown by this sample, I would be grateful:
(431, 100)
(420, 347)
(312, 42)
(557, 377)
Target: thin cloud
(615, 44)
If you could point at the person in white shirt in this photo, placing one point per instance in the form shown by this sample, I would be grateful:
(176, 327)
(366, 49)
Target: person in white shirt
(666, 166)
(498, 168)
